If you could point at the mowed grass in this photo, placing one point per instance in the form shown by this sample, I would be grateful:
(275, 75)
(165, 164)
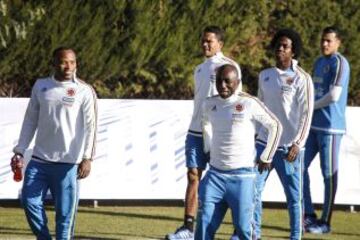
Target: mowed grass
(153, 222)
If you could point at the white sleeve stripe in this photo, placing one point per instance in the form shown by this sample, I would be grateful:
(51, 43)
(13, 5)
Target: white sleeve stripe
(95, 123)
(307, 123)
(339, 71)
(277, 135)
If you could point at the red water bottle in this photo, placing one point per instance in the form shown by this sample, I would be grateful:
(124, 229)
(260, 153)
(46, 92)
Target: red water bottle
(17, 162)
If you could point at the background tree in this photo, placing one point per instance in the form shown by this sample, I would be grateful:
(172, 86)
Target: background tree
(148, 49)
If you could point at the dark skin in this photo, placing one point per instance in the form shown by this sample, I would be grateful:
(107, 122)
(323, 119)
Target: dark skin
(283, 56)
(226, 84)
(210, 45)
(64, 65)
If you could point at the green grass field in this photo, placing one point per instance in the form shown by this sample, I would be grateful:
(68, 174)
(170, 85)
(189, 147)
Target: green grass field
(153, 222)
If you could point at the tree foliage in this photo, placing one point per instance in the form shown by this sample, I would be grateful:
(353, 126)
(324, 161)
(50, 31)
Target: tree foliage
(148, 49)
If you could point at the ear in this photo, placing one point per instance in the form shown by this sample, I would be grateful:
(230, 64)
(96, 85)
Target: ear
(221, 44)
(338, 41)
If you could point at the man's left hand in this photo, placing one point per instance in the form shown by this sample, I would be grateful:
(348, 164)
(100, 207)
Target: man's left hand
(84, 168)
(293, 152)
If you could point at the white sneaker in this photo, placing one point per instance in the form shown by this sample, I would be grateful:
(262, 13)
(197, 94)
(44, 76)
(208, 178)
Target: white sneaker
(320, 228)
(181, 233)
(234, 237)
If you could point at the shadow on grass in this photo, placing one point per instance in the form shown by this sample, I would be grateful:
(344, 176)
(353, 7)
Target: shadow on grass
(277, 228)
(20, 233)
(132, 215)
(15, 231)
(90, 236)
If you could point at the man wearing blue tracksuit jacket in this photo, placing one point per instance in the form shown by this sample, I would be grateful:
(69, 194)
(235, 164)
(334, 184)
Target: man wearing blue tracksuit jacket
(331, 80)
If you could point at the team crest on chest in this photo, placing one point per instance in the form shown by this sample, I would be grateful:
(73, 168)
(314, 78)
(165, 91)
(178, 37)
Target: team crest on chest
(69, 98)
(289, 81)
(239, 107)
(70, 92)
(326, 69)
(238, 115)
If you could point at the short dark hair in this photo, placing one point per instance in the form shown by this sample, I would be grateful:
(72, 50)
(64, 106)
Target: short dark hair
(222, 68)
(218, 31)
(293, 36)
(332, 29)
(60, 49)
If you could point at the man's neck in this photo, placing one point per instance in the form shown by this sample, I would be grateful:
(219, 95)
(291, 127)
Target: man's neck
(284, 66)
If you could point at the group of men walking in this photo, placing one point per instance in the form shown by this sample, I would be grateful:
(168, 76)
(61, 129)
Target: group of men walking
(242, 138)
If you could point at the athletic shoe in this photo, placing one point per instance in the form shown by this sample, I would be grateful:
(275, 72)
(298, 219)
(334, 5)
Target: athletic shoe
(182, 233)
(309, 220)
(319, 228)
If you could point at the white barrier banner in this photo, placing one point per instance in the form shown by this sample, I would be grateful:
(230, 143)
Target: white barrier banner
(141, 155)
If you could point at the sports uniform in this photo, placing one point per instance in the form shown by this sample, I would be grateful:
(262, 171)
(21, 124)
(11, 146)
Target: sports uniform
(63, 115)
(230, 180)
(205, 76)
(289, 96)
(331, 79)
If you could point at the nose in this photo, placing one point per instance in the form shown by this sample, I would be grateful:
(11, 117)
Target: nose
(280, 48)
(222, 84)
(66, 66)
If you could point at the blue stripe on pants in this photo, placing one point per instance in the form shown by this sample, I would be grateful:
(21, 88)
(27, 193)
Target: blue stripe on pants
(290, 175)
(328, 146)
(61, 180)
(220, 190)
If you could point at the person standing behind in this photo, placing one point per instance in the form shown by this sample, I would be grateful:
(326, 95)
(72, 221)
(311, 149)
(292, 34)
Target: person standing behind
(212, 41)
(62, 111)
(230, 118)
(331, 80)
(287, 91)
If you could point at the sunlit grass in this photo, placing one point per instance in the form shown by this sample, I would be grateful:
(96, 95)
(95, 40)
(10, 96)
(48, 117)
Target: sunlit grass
(153, 222)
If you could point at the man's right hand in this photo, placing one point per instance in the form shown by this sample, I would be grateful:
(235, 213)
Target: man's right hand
(262, 166)
(17, 161)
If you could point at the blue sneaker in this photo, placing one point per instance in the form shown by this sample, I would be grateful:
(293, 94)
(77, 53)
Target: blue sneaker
(182, 233)
(319, 228)
(309, 220)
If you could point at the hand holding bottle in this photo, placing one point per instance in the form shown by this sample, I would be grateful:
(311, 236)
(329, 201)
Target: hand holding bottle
(17, 163)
